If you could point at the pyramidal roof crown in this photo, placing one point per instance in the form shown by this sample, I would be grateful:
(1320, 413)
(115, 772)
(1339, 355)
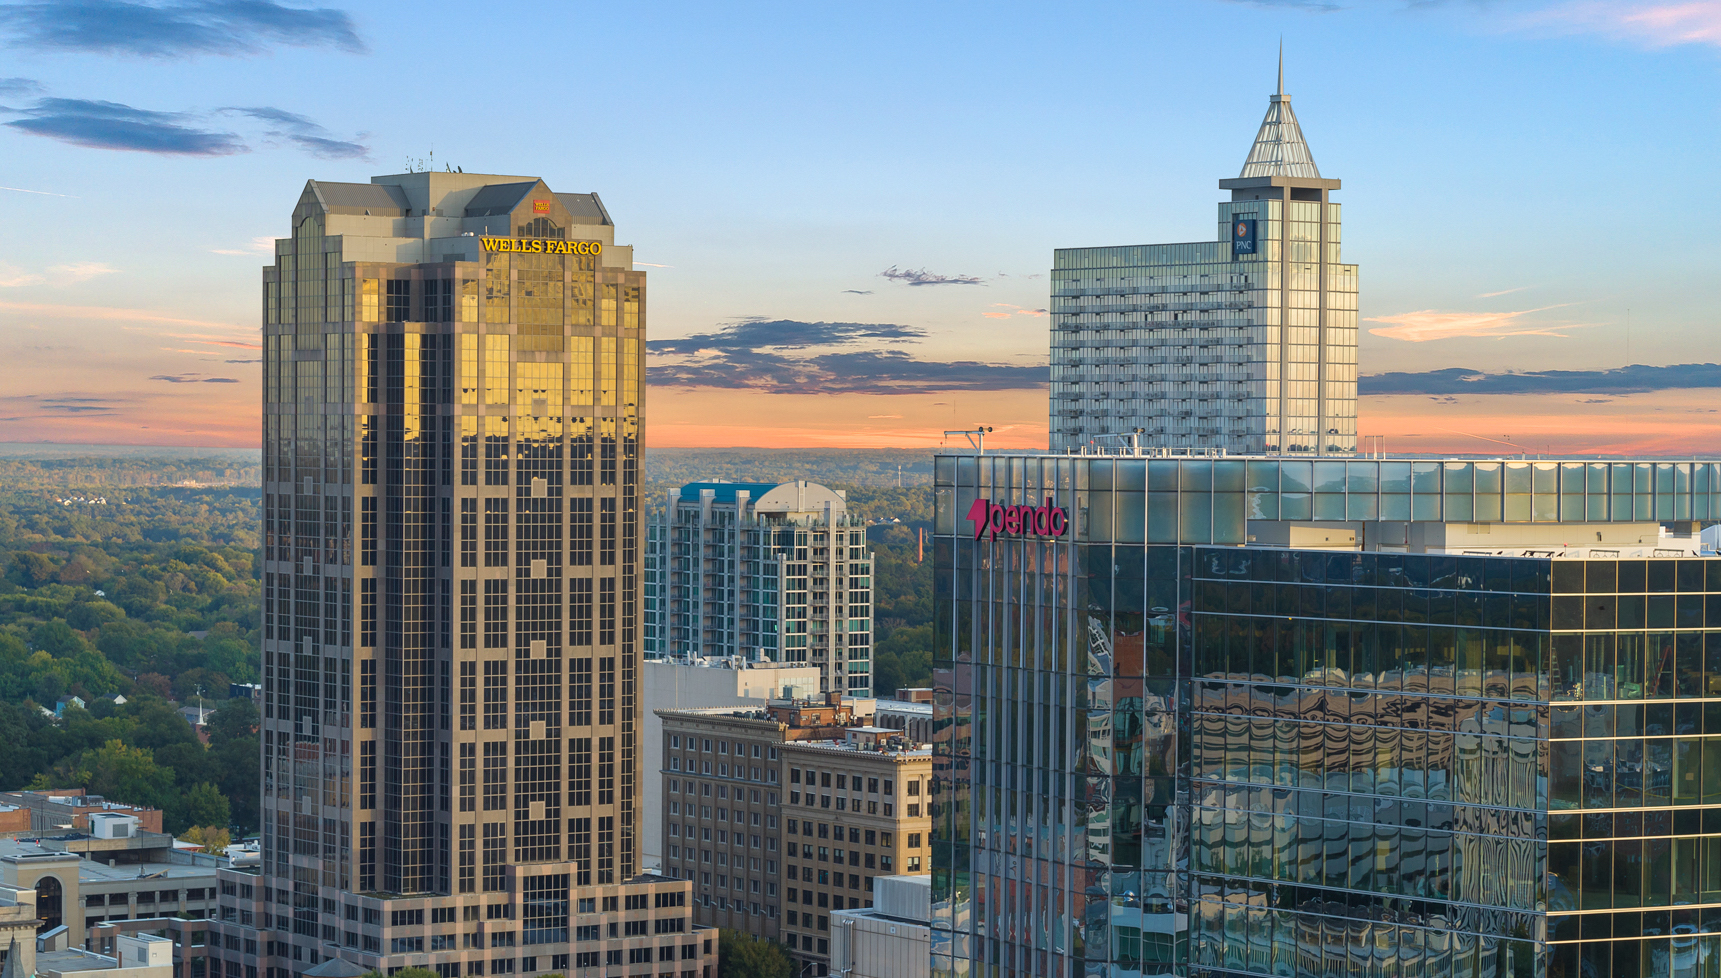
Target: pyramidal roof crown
(1279, 149)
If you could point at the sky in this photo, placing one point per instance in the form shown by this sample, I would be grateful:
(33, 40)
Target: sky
(847, 211)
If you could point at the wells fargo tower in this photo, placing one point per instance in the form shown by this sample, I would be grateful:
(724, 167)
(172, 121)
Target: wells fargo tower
(452, 439)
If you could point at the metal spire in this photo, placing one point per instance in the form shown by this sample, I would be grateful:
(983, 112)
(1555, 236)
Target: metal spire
(1279, 149)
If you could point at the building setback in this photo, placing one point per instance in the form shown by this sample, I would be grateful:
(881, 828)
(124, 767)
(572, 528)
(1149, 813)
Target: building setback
(762, 571)
(1275, 716)
(1246, 343)
(453, 401)
(782, 816)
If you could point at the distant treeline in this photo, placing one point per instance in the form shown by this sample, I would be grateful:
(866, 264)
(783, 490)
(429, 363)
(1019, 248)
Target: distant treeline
(69, 475)
(830, 466)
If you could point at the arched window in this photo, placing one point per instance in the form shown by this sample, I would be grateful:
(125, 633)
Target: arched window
(49, 900)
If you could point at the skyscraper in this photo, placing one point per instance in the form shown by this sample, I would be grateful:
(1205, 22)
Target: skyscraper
(763, 571)
(1246, 343)
(1272, 716)
(453, 401)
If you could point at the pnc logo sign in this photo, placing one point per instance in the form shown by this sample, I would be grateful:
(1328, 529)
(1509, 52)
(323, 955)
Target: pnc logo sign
(1038, 521)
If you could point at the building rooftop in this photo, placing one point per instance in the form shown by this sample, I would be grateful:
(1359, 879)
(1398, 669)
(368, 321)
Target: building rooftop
(1161, 497)
(724, 492)
(92, 871)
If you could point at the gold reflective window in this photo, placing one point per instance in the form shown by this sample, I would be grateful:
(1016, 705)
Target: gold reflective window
(496, 369)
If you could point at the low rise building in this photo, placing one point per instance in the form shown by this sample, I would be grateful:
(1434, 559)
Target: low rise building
(54, 812)
(783, 815)
(890, 939)
(703, 682)
(79, 881)
(133, 956)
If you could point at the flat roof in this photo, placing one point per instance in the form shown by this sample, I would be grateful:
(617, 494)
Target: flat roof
(848, 748)
(724, 492)
(1192, 498)
(96, 872)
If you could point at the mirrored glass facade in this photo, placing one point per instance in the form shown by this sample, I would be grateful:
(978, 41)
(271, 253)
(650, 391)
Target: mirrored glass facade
(452, 415)
(1165, 758)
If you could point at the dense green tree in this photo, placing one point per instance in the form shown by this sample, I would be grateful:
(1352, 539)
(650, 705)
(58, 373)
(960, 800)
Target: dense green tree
(89, 615)
(202, 805)
(741, 955)
(119, 773)
(32, 569)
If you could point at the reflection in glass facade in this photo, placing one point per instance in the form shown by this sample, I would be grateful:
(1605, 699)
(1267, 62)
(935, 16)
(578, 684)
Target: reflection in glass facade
(452, 414)
(1179, 758)
(1245, 343)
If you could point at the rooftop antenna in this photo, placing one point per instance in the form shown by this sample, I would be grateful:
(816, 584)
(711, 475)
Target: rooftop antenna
(976, 437)
(1281, 66)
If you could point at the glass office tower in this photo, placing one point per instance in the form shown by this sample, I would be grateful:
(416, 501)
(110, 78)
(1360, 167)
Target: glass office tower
(1245, 343)
(1207, 716)
(452, 414)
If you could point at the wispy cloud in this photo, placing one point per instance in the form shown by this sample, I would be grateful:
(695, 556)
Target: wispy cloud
(19, 86)
(649, 264)
(223, 27)
(788, 356)
(216, 341)
(920, 276)
(98, 124)
(857, 292)
(1005, 310)
(303, 133)
(783, 334)
(263, 244)
(1656, 25)
(111, 125)
(194, 379)
(70, 274)
(1431, 324)
(1634, 379)
(40, 193)
(1491, 295)
(107, 313)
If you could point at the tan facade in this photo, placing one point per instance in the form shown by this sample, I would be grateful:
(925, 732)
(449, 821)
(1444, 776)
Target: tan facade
(780, 817)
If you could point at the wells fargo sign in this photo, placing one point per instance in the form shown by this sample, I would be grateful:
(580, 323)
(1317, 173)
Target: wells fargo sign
(1037, 521)
(543, 246)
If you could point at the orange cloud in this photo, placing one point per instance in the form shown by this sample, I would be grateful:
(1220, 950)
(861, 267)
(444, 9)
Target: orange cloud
(1014, 310)
(1431, 324)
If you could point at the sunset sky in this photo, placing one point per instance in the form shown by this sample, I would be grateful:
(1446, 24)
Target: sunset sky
(848, 211)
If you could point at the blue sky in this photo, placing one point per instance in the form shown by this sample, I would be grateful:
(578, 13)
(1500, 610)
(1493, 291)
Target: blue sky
(1516, 175)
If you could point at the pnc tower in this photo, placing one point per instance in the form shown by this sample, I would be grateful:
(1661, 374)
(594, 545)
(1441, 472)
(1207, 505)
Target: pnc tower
(453, 401)
(1246, 343)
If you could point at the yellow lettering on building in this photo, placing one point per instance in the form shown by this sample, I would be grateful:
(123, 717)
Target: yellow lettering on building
(542, 246)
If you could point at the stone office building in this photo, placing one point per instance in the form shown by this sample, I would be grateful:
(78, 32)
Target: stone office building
(781, 816)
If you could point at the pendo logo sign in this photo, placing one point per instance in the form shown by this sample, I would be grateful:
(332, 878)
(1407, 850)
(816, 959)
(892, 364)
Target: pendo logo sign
(1038, 521)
